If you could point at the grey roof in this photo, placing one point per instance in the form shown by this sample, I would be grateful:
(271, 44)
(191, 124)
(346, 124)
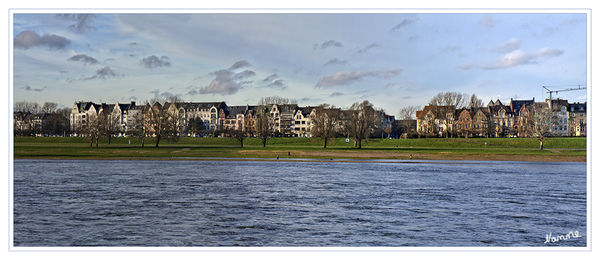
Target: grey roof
(306, 110)
(287, 108)
(577, 107)
(495, 109)
(201, 105)
(516, 105)
(233, 111)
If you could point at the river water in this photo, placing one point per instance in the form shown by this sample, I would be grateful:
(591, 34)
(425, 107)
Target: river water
(298, 203)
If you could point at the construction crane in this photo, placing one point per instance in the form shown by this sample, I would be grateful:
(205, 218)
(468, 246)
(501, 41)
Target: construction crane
(578, 87)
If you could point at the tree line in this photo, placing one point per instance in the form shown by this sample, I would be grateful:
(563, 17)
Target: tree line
(48, 119)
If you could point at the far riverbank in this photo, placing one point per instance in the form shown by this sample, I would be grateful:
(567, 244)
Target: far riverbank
(482, 149)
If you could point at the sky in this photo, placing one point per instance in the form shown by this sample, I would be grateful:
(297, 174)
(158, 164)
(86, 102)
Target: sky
(391, 59)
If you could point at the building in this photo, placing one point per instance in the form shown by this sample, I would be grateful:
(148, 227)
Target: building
(560, 117)
(436, 121)
(302, 121)
(577, 119)
(502, 119)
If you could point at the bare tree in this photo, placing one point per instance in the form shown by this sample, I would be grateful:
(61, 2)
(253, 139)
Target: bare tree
(276, 100)
(195, 126)
(263, 124)
(165, 121)
(408, 112)
(55, 124)
(91, 129)
(49, 107)
(109, 123)
(475, 102)
(361, 120)
(139, 126)
(239, 134)
(542, 122)
(324, 121)
(449, 99)
(25, 106)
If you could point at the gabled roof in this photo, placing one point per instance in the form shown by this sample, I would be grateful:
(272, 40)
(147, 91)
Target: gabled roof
(438, 111)
(577, 107)
(306, 110)
(233, 111)
(494, 110)
(515, 105)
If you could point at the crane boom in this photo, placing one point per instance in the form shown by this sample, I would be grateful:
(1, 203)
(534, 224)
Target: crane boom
(549, 91)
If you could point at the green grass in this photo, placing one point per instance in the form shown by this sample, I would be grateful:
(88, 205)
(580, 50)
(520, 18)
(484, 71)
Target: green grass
(77, 147)
(557, 142)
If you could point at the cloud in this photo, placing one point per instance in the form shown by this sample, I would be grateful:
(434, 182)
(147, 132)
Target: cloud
(163, 95)
(273, 81)
(240, 64)
(103, 73)
(27, 39)
(227, 81)
(350, 77)
(368, 47)
(244, 74)
(414, 38)
(402, 24)
(155, 62)
(335, 61)
(519, 57)
(133, 44)
(270, 77)
(336, 94)
(465, 66)
(511, 45)
(29, 88)
(328, 44)
(487, 21)
(82, 22)
(84, 58)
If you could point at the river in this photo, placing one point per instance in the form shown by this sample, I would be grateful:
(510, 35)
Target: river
(297, 203)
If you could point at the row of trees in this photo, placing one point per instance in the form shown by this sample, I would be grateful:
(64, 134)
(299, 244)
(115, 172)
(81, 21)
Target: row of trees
(328, 122)
(47, 119)
(537, 121)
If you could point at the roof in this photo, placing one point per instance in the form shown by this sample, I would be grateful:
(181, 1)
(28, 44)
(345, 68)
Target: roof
(577, 107)
(496, 109)
(306, 110)
(287, 108)
(233, 111)
(515, 105)
(202, 105)
(438, 111)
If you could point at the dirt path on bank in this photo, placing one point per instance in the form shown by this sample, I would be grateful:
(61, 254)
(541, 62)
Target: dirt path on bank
(408, 156)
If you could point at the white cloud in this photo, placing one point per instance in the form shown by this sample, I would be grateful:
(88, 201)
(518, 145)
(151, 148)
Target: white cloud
(349, 77)
(227, 81)
(511, 45)
(518, 57)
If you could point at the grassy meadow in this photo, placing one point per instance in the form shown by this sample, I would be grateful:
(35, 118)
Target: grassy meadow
(518, 149)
